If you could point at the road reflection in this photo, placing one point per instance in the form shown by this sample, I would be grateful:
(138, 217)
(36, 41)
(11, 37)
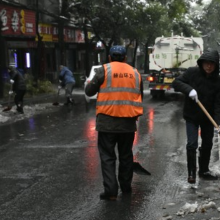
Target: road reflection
(90, 133)
(150, 125)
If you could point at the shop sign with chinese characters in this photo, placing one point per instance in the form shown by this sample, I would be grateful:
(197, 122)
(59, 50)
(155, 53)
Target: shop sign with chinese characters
(50, 33)
(17, 22)
(79, 36)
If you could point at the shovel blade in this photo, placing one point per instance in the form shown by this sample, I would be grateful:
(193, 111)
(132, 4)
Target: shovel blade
(7, 109)
(138, 169)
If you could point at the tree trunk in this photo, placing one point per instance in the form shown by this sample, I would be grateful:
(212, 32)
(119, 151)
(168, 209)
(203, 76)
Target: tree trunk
(62, 43)
(146, 62)
(135, 54)
(87, 48)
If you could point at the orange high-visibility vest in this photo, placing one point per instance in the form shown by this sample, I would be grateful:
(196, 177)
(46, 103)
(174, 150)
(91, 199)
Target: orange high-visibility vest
(120, 94)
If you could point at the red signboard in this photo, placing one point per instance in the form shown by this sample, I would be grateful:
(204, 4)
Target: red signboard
(50, 33)
(69, 35)
(17, 22)
(80, 36)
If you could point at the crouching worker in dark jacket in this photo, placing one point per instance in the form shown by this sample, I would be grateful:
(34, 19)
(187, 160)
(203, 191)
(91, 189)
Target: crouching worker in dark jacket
(119, 104)
(18, 87)
(200, 83)
(67, 81)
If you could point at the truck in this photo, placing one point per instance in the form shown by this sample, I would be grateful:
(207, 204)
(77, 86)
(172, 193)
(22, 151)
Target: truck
(170, 57)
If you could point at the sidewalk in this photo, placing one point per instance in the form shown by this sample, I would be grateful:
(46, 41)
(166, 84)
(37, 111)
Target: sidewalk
(34, 105)
(41, 98)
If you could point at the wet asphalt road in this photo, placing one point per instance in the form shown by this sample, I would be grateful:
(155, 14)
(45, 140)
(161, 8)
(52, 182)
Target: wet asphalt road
(50, 168)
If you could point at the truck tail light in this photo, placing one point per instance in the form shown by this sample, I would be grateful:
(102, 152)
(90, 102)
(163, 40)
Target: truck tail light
(150, 78)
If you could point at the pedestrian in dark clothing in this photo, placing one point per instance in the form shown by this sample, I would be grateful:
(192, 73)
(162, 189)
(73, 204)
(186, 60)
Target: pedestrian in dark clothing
(67, 81)
(119, 104)
(200, 83)
(18, 87)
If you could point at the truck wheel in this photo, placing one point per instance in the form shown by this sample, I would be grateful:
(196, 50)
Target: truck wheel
(157, 93)
(154, 93)
(162, 92)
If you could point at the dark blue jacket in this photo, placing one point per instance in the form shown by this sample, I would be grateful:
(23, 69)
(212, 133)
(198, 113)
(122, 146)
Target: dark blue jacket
(66, 76)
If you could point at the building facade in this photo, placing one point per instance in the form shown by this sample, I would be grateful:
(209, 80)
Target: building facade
(31, 40)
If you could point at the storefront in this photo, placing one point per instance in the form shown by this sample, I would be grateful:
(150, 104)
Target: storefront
(18, 30)
(74, 50)
(51, 53)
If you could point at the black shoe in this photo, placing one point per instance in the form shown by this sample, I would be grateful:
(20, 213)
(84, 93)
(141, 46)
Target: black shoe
(104, 196)
(20, 110)
(191, 180)
(208, 176)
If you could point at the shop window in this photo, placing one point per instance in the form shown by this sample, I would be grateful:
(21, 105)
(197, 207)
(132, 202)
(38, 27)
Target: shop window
(13, 58)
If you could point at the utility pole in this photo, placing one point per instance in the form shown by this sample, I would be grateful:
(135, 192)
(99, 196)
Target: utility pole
(87, 47)
(61, 22)
(82, 12)
(61, 42)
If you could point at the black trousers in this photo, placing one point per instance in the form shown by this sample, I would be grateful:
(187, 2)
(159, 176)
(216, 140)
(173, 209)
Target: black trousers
(207, 133)
(107, 144)
(19, 95)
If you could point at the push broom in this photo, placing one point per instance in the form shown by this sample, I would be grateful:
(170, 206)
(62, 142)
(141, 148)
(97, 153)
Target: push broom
(208, 115)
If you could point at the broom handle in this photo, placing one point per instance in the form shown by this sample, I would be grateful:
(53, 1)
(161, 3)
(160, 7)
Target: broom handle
(207, 114)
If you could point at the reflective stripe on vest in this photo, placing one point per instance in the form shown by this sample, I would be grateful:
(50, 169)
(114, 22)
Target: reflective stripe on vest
(120, 89)
(111, 99)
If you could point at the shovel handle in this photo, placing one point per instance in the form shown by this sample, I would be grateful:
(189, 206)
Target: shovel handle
(207, 114)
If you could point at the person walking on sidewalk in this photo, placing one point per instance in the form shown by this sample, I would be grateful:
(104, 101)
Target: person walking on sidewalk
(200, 83)
(18, 87)
(119, 104)
(67, 81)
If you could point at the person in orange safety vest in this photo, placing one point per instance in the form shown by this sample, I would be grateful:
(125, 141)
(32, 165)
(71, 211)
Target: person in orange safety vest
(118, 106)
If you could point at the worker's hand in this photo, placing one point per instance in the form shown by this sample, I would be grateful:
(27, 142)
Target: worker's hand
(12, 81)
(193, 95)
(217, 131)
(10, 92)
(59, 87)
(60, 81)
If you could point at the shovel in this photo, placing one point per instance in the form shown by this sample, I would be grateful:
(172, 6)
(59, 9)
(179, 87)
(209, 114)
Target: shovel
(138, 169)
(210, 118)
(57, 98)
(207, 114)
(8, 108)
